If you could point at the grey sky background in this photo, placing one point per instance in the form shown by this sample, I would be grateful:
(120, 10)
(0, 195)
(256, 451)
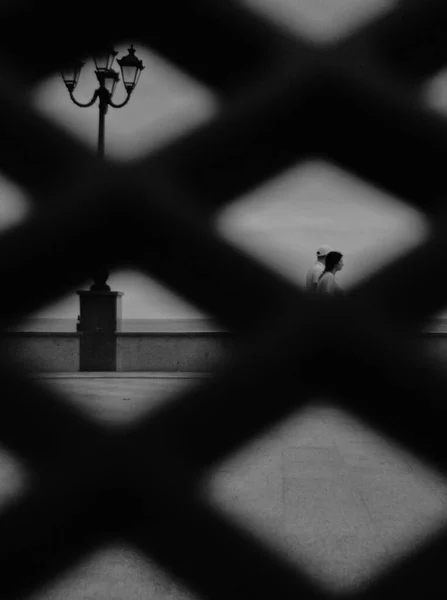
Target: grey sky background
(282, 222)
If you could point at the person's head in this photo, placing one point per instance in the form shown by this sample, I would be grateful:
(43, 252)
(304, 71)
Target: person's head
(334, 261)
(322, 252)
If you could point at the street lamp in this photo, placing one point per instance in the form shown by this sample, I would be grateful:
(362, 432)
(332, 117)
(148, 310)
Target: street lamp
(131, 68)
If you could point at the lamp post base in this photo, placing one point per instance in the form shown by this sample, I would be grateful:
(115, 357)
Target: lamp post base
(99, 321)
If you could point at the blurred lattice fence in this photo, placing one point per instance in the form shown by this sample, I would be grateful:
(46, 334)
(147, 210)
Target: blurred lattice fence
(357, 103)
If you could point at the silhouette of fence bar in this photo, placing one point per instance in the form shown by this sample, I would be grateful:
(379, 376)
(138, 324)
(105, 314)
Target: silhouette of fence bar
(283, 100)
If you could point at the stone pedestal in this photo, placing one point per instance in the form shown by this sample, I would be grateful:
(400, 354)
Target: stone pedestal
(99, 320)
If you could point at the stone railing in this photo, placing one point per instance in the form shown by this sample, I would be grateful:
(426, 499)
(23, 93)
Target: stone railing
(60, 352)
(183, 351)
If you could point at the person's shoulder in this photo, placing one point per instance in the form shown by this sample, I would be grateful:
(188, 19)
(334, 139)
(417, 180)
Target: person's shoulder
(311, 270)
(326, 282)
(327, 275)
(316, 267)
(323, 280)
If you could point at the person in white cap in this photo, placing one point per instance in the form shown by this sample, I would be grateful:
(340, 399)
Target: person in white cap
(313, 274)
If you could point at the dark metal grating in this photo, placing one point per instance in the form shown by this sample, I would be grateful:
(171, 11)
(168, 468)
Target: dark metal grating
(277, 92)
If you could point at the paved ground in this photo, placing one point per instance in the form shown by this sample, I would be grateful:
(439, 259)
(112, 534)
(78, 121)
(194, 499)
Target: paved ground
(322, 488)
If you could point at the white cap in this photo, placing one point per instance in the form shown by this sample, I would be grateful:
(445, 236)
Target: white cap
(323, 250)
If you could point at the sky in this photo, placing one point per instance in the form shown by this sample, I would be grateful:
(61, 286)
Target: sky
(283, 222)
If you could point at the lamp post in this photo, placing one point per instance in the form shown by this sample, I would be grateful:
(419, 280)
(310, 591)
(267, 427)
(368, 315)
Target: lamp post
(108, 78)
(100, 308)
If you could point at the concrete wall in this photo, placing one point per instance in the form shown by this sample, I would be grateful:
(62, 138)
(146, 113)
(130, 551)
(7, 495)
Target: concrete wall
(59, 352)
(170, 352)
(44, 352)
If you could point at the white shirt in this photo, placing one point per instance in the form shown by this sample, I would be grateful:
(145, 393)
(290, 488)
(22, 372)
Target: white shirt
(313, 275)
(328, 286)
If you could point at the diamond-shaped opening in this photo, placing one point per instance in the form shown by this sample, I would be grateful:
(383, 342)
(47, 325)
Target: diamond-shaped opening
(117, 399)
(323, 20)
(164, 346)
(15, 205)
(165, 104)
(333, 496)
(436, 98)
(284, 221)
(436, 92)
(115, 573)
(435, 95)
(14, 478)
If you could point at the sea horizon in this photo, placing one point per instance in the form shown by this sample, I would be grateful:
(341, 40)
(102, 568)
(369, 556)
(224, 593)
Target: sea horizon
(131, 325)
(164, 325)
